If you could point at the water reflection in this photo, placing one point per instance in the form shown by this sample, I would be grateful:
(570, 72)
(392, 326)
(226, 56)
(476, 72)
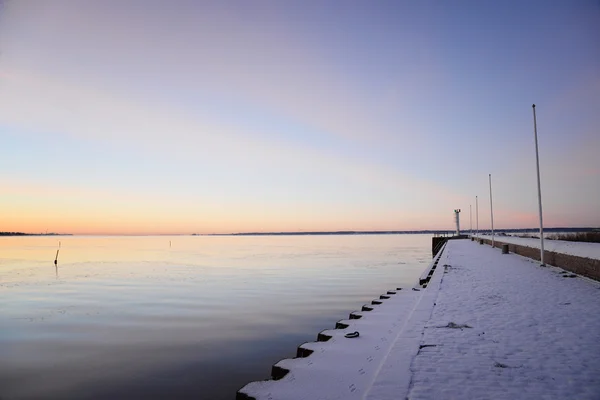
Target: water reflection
(129, 317)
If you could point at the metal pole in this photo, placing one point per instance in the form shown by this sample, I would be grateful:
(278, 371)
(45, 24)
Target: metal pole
(537, 162)
(491, 210)
(470, 221)
(477, 217)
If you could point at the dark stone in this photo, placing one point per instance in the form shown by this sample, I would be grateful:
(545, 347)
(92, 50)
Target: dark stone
(277, 372)
(341, 325)
(302, 352)
(243, 396)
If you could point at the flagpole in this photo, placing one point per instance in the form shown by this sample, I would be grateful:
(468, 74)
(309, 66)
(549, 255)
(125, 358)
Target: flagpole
(477, 217)
(470, 221)
(537, 162)
(491, 210)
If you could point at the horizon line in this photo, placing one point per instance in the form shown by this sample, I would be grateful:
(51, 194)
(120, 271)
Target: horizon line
(308, 233)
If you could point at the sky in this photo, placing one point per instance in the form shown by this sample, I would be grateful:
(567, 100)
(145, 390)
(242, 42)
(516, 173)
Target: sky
(161, 117)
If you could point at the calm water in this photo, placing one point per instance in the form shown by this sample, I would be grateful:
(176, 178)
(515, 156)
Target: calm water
(132, 317)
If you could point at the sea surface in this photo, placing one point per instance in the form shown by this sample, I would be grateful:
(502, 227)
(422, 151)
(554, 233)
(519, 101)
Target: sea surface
(183, 317)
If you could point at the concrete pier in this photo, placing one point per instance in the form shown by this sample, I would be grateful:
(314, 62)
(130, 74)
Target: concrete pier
(481, 324)
(505, 328)
(345, 368)
(586, 266)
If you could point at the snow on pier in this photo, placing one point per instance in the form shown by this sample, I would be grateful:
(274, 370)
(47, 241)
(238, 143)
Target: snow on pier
(579, 249)
(487, 325)
(505, 328)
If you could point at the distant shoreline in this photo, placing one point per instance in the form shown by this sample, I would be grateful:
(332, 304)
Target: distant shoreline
(317, 233)
(33, 234)
(431, 232)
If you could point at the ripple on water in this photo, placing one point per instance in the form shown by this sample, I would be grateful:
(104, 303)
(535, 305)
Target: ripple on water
(129, 317)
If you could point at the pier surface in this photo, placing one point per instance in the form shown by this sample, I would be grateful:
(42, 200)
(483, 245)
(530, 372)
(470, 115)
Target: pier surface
(534, 332)
(579, 249)
(487, 326)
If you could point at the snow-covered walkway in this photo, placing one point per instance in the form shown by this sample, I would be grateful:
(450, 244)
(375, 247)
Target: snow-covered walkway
(505, 328)
(579, 249)
(488, 326)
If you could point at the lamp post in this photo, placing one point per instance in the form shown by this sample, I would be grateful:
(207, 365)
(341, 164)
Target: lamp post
(537, 162)
(491, 210)
(477, 217)
(470, 221)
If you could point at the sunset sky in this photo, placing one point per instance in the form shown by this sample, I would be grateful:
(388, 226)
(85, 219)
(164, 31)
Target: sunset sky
(143, 117)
